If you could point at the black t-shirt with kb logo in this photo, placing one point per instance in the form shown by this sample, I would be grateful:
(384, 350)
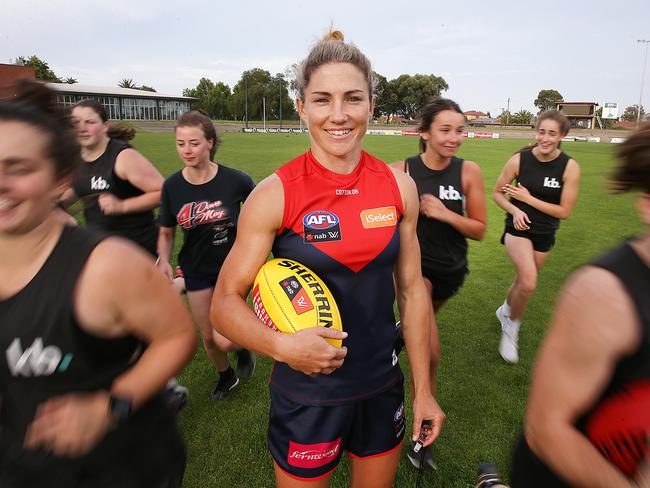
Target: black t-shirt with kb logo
(96, 177)
(544, 180)
(442, 247)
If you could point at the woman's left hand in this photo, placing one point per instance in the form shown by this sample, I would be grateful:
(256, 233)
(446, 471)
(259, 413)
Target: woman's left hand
(70, 425)
(110, 204)
(427, 408)
(518, 191)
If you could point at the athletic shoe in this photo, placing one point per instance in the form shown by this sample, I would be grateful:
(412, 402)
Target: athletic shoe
(509, 343)
(226, 383)
(245, 363)
(423, 454)
(502, 315)
(488, 477)
(399, 338)
(177, 397)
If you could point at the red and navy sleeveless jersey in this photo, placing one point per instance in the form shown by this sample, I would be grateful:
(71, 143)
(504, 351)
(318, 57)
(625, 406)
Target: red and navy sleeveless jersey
(346, 229)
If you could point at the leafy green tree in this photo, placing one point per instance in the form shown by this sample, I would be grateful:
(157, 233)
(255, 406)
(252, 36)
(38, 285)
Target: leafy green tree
(523, 117)
(257, 89)
(413, 92)
(70, 80)
(546, 99)
(41, 68)
(386, 99)
(127, 83)
(214, 98)
(147, 88)
(632, 112)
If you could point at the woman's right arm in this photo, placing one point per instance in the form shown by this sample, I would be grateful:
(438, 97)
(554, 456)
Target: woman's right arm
(508, 173)
(594, 327)
(307, 350)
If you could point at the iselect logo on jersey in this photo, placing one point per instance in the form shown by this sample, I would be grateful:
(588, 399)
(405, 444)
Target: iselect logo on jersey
(379, 217)
(36, 360)
(321, 226)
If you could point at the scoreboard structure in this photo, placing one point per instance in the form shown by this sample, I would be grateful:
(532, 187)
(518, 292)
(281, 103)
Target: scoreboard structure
(582, 115)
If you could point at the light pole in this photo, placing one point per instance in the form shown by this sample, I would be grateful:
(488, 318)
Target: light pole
(264, 111)
(508, 113)
(645, 59)
(246, 96)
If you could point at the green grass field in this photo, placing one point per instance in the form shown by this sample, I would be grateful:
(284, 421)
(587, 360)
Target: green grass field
(484, 398)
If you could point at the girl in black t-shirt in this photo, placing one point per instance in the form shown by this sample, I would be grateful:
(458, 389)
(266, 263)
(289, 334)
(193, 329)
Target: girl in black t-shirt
(545, 191)
(118, 186)
(204, 199)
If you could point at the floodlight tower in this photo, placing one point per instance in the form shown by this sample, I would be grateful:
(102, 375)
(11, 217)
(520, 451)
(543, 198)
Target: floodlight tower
(645, 60)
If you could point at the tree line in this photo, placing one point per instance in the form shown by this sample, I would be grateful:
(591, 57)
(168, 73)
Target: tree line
(258, 95)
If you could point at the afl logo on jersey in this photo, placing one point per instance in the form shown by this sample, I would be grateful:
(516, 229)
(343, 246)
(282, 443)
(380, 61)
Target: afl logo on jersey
(321, 226)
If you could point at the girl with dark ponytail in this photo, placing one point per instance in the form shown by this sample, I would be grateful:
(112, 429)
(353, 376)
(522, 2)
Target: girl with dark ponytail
(452, 210)
(118, 186)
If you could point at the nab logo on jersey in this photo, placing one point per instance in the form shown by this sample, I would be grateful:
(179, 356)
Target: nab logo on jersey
(321, 226)
(449, 193)
(98, 183)
(36, 360)
(551, 182)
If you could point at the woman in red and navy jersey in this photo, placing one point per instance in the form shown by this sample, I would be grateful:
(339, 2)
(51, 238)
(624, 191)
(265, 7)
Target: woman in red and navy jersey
(545, 191)
(326, 399)
(87, 346)
(204, 199)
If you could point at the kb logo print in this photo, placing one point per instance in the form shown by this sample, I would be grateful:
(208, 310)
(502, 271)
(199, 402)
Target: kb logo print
(551, 182)
(99, 183)
(36, 360)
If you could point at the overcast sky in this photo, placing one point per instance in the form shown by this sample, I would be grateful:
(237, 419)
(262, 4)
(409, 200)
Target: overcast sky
(486, 50)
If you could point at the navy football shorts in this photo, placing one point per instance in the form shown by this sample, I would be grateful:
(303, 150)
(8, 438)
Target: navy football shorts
(306, 441)
(541, 242)
(444, 284)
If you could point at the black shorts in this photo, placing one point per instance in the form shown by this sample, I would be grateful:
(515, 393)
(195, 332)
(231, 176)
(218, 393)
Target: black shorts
(197, 284)
(306, 441)
(445, 284)
(541, 242)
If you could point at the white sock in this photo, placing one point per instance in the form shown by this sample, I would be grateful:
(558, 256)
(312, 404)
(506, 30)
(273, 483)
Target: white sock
(506, 307)
(515, 324)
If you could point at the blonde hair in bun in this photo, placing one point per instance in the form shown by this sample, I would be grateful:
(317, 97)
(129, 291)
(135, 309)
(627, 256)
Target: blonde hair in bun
(334, 35)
